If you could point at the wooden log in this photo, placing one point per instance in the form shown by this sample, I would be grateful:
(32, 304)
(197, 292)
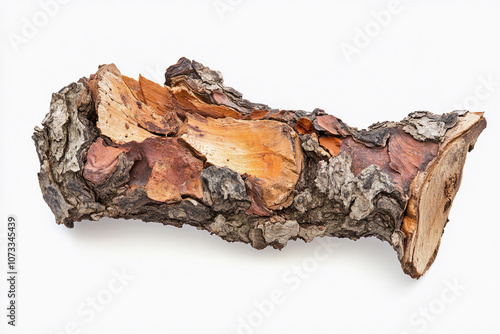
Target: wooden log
(195, 152)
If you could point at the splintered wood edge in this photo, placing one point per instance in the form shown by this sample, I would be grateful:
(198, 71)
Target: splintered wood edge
(432, 193)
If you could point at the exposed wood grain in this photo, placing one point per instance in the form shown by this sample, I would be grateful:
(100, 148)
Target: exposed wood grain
(121, 116)
(267, 150)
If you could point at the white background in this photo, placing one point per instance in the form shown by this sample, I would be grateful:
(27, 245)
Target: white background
(432, 55)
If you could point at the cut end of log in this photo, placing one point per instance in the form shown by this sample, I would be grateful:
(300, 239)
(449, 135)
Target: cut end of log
(432, 194)
(195, 152)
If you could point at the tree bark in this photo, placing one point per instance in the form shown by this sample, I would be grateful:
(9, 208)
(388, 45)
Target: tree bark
(195, 152)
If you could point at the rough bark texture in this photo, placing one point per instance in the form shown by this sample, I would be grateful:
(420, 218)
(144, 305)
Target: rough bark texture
(195, 152)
